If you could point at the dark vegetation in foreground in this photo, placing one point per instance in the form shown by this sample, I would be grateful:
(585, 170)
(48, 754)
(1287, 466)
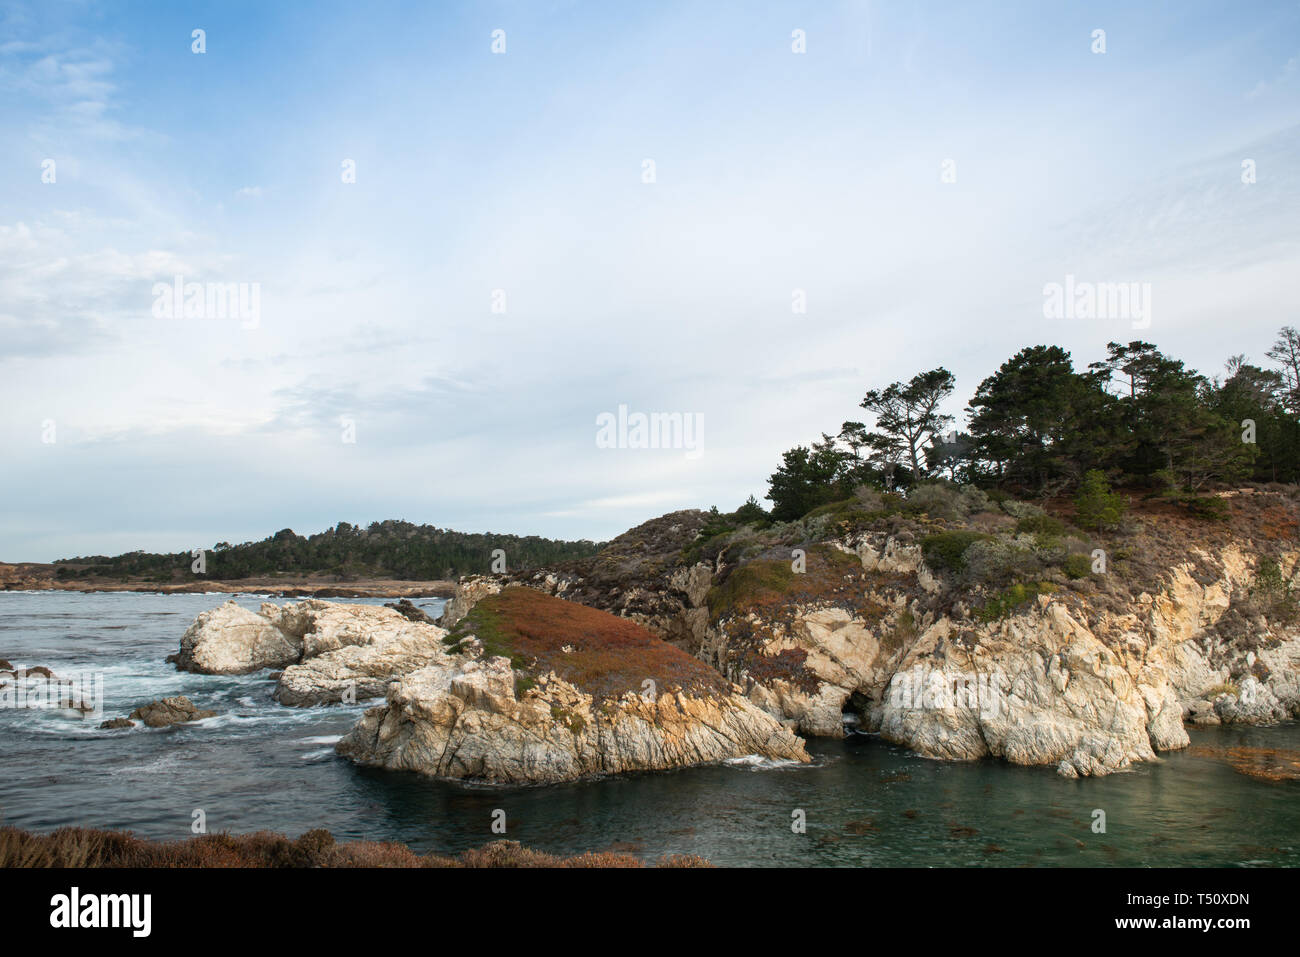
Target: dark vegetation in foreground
(383, 550)
(87, 847)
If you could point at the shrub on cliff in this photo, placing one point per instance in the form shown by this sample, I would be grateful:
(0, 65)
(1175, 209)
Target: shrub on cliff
(946, 501)
(947, 550)
(1098, 507)
(1012, 599)
(996, 562)
(1275, 592)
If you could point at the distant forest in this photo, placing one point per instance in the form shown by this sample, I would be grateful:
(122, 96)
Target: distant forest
(391, 549)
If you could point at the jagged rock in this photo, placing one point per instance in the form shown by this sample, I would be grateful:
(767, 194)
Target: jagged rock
(407, 610)
(569, 711)
(5, 665)
(1043, 690)
(319, 626)
(469, 590)
(1200, 712)
(1255, 704)
(169, 711)
(325, 651)
(231, 640)
(469, 724)
(1098, 676)
(358, 672)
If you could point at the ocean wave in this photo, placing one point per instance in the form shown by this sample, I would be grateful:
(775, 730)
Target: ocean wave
(320, 739)
(757, 762)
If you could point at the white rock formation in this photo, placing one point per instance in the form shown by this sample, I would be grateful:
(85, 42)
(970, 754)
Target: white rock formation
(358, 672)
(231, 640)
(469, 723)
(330, 651)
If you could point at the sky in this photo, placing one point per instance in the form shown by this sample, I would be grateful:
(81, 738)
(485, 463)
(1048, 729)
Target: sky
(621, 205)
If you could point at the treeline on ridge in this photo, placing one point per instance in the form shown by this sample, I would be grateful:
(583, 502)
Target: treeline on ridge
(390, 549)
(1038, 427)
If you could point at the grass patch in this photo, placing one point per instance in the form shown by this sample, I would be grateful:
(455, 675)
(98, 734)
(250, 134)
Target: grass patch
(609, 655)
(1012, 598)
(768, 585)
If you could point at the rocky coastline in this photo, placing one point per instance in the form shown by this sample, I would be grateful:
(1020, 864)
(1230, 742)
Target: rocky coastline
(843, 623)
(967, 629)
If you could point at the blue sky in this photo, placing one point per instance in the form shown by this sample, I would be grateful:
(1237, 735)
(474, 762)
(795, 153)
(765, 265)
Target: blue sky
(522, 172)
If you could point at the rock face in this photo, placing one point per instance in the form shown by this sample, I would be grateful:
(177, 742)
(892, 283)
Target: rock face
(1085, 676)
(358, 672)
(1037, 688)
(328, 651)
(166, 712)
(231, 640)
(588, 694)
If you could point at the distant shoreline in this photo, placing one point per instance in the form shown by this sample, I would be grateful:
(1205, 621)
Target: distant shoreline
(279, 588)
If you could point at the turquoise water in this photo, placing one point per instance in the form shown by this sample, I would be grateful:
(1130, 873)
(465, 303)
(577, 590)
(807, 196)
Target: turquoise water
(260, 766)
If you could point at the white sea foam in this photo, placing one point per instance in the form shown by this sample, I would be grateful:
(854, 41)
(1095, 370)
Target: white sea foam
(758, 762)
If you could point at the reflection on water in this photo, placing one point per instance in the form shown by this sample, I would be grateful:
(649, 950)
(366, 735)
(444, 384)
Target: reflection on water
(260, 766)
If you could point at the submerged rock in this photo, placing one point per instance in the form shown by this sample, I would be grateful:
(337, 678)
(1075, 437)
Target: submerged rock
(562, 692)
(1266, 764)
(115, 723)
(167, 711)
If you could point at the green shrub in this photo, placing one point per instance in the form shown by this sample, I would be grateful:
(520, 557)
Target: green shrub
(1209, 507)
(996, 562)
(1098, 507)
(870, 498)
(751, 512)
(1012, 598)
(947, 550)
(1042, 524)
(946, 500)
(1275, 592)
(1078, 566)
(1020, 510)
